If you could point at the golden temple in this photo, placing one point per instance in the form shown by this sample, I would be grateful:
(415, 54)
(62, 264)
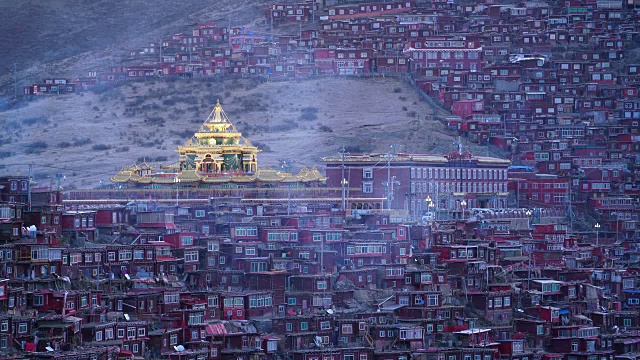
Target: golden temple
(216, 154)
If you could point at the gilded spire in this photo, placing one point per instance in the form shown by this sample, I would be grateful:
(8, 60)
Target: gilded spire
(217, 115)
(218, 148)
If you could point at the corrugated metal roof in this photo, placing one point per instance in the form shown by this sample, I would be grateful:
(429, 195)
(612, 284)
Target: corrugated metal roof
(216, 329)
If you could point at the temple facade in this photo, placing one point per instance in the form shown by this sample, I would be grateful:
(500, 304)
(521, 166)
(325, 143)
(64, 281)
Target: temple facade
(420, 183)
(216, 155)
(217, 148)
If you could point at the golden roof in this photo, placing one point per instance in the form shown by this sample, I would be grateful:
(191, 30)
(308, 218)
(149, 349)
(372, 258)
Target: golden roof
(218, 115)
(191, 176)
(188, 176)
(126, 175)
(215, 179)
(268, 175)
(145, 166)
(486, 159)
(217, 122)
(312, 175)
(225, 179)
(162, 180)
(144, 180)
(217, 132)
(172, 167)
(217, 137)
(243, 179)
(317, 175)
(121, 176)
(306, 175)
(290, 178)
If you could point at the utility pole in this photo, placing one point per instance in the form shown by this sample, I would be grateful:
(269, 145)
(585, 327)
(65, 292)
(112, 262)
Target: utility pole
(176, 180)
(393, 180)
(289, 199)
(518, 195)
(29, 185)
(570, 211)
(389, 179)
(617, 223)
(529, 272)
(347, 183)
(272, 24)
(322, 260)
(504, 124)
(438, 201)
(99, 271)
(343, 180)
(60, 177)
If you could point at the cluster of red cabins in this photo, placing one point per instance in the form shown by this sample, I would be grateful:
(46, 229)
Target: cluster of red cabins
(235, 279)
(251, 279)
(549, 83)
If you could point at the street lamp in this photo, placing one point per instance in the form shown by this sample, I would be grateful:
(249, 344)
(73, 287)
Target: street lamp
(430, 206)
(463, 204)
(528, 213)
(177, 181)
(344, 184)
(389, 189)
(597, 226)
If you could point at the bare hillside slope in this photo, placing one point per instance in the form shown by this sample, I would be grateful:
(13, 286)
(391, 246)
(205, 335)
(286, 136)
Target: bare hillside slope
(89, 137)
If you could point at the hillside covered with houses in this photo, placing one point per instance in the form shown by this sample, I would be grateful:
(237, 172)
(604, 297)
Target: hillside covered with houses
(241, 276)
(384, 256)
(552, 83)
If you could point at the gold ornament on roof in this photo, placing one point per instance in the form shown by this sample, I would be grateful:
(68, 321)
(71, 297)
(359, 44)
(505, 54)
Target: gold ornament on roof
(217, 153)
